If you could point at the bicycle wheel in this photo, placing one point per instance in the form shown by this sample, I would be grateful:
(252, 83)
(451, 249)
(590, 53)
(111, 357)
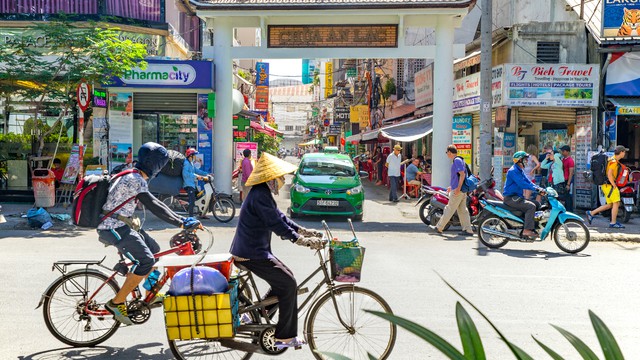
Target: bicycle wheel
(64, 308)
(224, 210)
(367, 333)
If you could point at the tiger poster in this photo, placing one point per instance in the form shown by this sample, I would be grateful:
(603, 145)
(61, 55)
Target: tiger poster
(621, 19)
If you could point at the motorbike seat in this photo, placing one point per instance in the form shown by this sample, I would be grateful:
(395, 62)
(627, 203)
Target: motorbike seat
(502, 205)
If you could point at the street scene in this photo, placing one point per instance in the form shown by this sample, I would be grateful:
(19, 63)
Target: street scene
(380, 179)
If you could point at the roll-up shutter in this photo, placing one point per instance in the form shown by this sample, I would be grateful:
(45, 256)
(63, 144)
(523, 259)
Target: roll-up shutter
(159, 102)
(476, 117)
(550, 115)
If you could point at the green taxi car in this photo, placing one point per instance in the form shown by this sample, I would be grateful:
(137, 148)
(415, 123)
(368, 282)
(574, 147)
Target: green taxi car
(327, 184)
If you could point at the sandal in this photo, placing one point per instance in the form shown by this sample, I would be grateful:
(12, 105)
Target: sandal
(296, 342)
(589, 217)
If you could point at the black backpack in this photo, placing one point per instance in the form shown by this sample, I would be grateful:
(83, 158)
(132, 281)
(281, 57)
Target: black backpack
(599, 168)
(175, 164)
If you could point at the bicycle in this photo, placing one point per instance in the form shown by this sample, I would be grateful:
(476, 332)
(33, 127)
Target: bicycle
(335, 322)
(73, 305)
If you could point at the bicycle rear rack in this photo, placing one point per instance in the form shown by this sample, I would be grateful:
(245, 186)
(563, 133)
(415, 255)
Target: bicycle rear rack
(61, 266)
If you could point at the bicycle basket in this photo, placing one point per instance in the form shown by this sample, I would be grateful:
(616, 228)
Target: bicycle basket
(214, 316)
(346, 261)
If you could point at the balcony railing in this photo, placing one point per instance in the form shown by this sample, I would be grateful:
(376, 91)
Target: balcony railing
(145, 10)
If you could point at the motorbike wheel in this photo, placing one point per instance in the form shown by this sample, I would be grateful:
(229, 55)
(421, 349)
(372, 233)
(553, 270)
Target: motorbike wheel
(624, 214)
(572, 237)
(424, 213)
(224, 210)
(435, 215)
(488, 240)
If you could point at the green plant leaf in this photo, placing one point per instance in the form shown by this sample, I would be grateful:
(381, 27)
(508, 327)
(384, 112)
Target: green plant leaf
(579, 345)
(520, 355)
(429, 336)
(332, 355)
(554, 355)
(608, 342)
(471, 342)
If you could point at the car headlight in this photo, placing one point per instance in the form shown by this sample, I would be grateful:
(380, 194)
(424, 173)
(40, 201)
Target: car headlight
(355, 190)
(301, 189)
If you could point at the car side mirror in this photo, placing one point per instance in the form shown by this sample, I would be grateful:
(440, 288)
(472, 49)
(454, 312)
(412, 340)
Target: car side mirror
(363, 173)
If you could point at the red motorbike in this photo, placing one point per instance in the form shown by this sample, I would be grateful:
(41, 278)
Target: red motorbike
(431, 211)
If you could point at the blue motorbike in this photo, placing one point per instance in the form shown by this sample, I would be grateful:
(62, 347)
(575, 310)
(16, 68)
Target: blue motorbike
(501, 224)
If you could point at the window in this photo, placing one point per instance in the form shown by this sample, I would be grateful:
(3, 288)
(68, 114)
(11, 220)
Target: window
(400, 78)
(299, 127)
(548, 52)
(288, 128)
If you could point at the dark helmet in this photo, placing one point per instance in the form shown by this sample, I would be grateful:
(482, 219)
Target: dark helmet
(151, 158)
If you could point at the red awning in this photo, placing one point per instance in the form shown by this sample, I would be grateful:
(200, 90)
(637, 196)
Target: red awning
(266, 129)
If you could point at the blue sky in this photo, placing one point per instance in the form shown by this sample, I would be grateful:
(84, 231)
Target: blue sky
(290, 68)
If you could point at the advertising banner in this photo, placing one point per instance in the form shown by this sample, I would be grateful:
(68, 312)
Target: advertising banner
(100, 135)
(241, 146)
(360, 114)
(262, 77)
(328, 79)
(498, 159)
(74, 165)
(623, 75)
(564, 85)
(583, 145)
(462, 134)
(466, 91)
(262, 98)
(556, 138)
(205, 133)
(620, 18)
(610, 127)
(181, 74)
(120, 127)
(423, 83)
(340, 115)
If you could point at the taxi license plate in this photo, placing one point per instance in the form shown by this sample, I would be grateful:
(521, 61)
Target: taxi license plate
(627, 201)
(328, 203)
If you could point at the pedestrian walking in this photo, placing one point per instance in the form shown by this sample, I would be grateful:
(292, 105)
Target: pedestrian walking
(246, 167)
(610, 190)
(393, 172)
(457, 198)
(568, 165)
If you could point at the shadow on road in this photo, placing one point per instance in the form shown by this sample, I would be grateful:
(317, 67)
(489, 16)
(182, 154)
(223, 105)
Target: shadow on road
(340, 223)
(104, 352)
(531, 254)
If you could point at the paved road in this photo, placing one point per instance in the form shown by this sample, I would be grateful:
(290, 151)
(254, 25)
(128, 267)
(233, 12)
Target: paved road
(522, 289)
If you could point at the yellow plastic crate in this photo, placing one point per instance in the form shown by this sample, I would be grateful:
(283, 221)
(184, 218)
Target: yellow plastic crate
(216, 316)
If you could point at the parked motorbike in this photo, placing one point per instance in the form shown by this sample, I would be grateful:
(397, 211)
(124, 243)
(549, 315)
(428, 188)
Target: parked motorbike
(500, 224)
(221, 205)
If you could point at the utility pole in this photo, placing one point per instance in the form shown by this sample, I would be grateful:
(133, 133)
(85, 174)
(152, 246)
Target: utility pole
(486, 126)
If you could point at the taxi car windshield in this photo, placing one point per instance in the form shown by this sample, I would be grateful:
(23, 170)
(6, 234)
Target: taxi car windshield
(332, 167)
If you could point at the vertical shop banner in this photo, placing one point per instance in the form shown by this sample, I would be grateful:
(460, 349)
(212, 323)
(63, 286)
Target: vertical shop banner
(120, 127)
(581, 158)
(508, 149)
(462, 134)
(100, 135)
(328, 79)
(262, 98)
(205, 133)
(423, 83)
(611, 127)
(359, 114)
(242, 146)
(619, 18)
(74, 165)
(562, 85)
(498, 159)
(556, 138)
(262, 77)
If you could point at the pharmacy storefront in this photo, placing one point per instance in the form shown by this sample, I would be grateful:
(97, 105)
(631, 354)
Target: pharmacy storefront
(165, 103)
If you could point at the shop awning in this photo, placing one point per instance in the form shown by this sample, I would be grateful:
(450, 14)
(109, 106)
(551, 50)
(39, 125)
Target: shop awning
(626, 106)
(266, 129)
(353, 138)
(312, 142)
(410, 130)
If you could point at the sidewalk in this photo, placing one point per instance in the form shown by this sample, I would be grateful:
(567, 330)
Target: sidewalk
(599, 229)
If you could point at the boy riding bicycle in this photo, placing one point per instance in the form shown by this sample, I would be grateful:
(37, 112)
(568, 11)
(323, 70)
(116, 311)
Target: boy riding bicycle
(123, 229)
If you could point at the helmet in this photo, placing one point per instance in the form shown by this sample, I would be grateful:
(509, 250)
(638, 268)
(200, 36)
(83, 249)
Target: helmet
(191, 151)
(518, 156)
(151, 158)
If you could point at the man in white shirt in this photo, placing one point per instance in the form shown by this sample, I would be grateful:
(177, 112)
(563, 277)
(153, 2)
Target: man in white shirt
(393, 171)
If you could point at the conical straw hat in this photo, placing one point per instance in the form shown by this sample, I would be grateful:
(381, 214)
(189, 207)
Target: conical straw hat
(268, 168)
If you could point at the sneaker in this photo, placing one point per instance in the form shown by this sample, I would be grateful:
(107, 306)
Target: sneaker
(617, 225)
(119, 312)
(296, 342)
(589, 217)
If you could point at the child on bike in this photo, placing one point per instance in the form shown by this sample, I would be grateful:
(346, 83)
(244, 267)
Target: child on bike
(251, 246)
(122, 229)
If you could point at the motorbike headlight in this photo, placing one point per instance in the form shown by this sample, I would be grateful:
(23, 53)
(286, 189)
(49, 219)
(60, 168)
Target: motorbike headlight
(551, 192)
(301, 189)
(355, 190)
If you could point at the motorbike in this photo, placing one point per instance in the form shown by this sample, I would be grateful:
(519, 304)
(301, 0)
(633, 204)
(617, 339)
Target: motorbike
(208, 199)
(500, 224)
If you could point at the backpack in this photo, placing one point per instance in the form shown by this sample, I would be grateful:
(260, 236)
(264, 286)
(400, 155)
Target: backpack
(175, 163)
(90, 196)
(622, 177)
(470, 181)
(599, 163)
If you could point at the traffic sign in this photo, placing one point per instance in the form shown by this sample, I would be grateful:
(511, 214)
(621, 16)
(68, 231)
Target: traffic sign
(83, 96)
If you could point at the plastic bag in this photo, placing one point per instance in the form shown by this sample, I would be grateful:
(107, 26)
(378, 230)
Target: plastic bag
(38, 217)
(206, 281)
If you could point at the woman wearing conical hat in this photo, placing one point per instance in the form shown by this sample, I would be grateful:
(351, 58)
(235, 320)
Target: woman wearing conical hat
(251, 246)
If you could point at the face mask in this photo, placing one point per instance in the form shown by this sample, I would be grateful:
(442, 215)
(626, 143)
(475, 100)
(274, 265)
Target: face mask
(275, 185)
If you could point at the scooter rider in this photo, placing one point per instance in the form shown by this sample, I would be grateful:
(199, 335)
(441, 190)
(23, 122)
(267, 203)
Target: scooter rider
(189, 176)
(513, 192)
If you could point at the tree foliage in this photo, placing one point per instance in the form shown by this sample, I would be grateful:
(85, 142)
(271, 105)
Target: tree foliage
(48, 76)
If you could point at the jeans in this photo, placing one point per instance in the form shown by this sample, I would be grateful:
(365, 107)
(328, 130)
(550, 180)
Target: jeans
(192, 199)
(393, 187)
(284, 287)
(526, 206)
